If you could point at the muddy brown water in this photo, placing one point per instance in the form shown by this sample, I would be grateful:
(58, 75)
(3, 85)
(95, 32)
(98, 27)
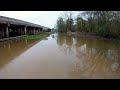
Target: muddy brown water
(60, 57)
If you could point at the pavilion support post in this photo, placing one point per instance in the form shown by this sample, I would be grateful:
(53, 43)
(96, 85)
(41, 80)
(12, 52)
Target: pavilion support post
(2, 32)
(30, 31)
(41, 30)
(38, 30)
(21, 31)
(16, 31)
(34, 31)
(7, 31)
(25, 30)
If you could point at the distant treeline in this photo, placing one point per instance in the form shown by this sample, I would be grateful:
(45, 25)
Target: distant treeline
(100, 23)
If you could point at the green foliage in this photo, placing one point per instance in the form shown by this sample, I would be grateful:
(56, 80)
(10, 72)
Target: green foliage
(65, 24)
(101, 23)
(69, 24)
(61, 24)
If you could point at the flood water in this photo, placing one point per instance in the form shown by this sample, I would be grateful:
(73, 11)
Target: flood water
(60, 57)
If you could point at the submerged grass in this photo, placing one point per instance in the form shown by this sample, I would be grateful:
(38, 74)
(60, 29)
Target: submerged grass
(36, 36)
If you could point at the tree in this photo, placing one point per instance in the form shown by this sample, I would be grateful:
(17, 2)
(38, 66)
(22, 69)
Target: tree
(60, 24)
(65, 22)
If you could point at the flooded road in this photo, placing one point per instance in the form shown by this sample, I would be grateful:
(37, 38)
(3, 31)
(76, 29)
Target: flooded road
(60, 57)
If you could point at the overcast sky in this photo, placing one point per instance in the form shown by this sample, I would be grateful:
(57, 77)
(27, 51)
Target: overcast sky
(45, 18)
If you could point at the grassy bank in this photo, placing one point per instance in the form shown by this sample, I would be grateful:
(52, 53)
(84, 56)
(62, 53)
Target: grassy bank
(36, 36)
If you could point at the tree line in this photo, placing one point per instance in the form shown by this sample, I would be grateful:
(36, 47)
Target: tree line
(99, 23)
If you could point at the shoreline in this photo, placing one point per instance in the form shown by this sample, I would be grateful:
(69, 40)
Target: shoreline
(34, 36)
(93, 36)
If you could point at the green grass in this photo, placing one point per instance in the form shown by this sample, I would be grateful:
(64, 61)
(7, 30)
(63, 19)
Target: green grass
(36, 36)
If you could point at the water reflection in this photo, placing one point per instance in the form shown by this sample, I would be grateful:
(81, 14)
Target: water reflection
(65, 42)
(11, 49)
(96, 58)
(60, 56)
